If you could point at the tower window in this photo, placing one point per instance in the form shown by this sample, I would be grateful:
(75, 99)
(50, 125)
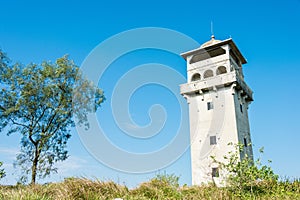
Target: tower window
(241, 108)
(215, 172)
(245, 142)
(208, 73)
(207, 55)
(196, 77)
(213, 140)
(210, 105)
(221, 70)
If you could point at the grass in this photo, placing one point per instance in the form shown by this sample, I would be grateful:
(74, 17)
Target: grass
(161, 187)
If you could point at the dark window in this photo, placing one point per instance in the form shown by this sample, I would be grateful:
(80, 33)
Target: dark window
(245, 142)
(196, 77)
(213, 140)
(204, 54)
(221, 70)
(210, 105)
(208, 73)
(241, 108)
(215, 172)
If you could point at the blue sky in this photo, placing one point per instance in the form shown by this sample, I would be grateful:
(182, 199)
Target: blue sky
(265, 32)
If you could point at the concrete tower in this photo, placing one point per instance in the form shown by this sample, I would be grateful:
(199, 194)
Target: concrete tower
(218, 99)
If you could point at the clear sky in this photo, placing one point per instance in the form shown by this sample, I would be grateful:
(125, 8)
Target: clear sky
(266, 32)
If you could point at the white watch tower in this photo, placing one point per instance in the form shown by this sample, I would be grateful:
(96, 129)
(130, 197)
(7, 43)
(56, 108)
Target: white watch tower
(218, 99)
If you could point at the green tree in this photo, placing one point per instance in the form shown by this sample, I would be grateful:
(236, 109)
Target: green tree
(37, 101)
(2, 172)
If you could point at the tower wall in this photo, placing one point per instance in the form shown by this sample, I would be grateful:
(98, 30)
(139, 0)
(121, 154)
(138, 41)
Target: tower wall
(220, 122)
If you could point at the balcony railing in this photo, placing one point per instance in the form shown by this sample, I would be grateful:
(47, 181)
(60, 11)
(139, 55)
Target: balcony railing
(218, 81)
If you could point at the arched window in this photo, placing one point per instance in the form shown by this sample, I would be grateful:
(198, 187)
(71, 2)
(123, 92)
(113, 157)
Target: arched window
(196, 77)
(221, 70)
(208, 73)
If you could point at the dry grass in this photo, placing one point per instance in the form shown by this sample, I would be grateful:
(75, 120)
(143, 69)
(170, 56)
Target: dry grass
(157, 188)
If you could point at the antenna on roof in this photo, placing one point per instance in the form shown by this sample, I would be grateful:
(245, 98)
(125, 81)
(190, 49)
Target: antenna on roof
(212, 29)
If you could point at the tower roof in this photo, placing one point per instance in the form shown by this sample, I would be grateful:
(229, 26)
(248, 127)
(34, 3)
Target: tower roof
(213, 43)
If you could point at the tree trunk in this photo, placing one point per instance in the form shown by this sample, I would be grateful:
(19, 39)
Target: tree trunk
(34, 165)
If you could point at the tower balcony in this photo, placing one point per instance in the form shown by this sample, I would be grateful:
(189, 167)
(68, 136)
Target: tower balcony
(219, 81)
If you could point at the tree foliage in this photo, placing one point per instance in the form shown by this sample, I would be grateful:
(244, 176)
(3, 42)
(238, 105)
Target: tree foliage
(37, 101)
(245, 174)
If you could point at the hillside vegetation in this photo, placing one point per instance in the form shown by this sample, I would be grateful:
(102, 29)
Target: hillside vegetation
(161, 187)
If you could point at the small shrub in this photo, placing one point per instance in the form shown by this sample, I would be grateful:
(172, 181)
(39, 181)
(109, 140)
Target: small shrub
(245, 175)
